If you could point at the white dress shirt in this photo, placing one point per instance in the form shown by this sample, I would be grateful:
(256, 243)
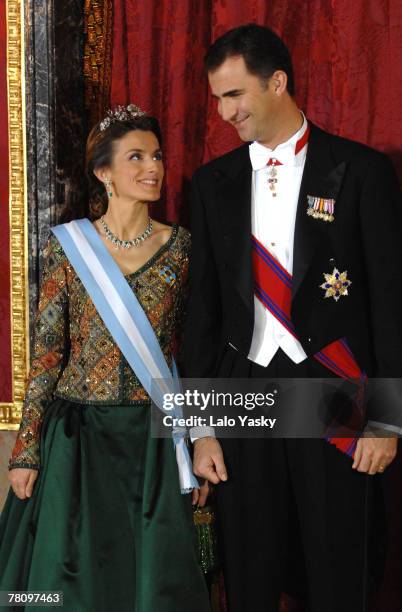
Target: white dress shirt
(273, 224)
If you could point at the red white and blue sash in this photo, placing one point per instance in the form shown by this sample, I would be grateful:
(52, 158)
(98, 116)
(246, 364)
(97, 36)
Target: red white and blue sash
(273, 287)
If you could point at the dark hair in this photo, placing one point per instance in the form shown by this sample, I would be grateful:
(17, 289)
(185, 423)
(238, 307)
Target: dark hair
(99, 154)
(262, 50)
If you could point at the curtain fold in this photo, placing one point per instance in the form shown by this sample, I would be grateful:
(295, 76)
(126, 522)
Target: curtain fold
(98, 32)
(158, 50)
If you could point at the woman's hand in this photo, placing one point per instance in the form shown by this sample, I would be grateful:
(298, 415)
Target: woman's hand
(22, 481)
(199, 496)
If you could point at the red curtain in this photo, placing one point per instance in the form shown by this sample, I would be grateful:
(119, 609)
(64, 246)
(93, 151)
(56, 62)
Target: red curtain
(347, 57)
(5, 319)
(158, 50)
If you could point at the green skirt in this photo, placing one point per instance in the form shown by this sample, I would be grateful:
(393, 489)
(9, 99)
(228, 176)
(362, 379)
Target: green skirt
(106, 524)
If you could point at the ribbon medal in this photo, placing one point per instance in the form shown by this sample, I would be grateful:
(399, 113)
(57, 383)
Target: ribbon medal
(336, 284)
(321, 208)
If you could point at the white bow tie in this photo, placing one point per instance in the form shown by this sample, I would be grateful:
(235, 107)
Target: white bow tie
(260, 156)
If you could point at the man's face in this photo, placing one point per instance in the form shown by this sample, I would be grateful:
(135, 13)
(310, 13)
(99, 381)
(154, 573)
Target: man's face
(247, 103)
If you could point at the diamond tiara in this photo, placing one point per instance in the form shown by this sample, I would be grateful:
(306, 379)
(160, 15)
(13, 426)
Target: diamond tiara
(121, 113)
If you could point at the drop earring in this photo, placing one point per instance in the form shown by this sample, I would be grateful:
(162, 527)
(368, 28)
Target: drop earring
(108, 185)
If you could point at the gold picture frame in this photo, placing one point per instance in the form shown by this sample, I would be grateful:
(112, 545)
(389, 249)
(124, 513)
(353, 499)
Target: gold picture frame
(10, 414)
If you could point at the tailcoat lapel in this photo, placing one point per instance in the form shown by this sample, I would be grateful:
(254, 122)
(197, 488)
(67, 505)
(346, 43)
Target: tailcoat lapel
(234, 188)
(322, 177)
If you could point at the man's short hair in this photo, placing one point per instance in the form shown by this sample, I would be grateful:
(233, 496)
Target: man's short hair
(262, 50)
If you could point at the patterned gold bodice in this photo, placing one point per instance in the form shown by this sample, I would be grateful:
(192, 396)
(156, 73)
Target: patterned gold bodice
(74, 354)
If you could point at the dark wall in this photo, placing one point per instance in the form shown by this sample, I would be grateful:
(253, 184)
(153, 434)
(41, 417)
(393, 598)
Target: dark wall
(56, 123)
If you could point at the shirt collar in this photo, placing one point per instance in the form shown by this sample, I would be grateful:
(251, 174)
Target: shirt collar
(289, 153)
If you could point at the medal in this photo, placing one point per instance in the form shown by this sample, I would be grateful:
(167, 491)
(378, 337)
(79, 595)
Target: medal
(336, 284)
(321, 208)
(272, 174)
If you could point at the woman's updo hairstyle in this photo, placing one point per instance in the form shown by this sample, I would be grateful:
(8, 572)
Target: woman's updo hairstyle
(100, 148)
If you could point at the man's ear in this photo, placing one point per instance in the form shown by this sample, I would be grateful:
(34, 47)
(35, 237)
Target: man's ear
(279, 81)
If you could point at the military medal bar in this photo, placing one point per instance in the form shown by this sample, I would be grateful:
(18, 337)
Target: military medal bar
(321, 208)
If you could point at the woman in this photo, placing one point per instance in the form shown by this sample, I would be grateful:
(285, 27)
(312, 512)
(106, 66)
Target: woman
(96, 510)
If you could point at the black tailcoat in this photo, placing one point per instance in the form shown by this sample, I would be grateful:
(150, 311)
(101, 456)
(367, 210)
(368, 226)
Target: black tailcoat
(365, 239)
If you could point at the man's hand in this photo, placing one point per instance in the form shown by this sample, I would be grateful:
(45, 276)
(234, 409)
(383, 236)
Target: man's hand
(22, 481)
(374, 454)
(208, 460)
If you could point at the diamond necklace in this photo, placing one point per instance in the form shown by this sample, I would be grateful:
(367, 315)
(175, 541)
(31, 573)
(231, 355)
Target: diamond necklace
(126, 244)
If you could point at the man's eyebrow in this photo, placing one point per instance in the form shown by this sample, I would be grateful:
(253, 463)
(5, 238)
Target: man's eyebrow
(229, 94)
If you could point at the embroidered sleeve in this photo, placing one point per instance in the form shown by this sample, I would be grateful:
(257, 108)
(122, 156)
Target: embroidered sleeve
(50, 348)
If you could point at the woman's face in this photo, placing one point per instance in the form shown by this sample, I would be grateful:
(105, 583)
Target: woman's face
(137, 167)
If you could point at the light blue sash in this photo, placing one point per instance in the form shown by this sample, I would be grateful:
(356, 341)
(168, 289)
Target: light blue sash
(128, 324)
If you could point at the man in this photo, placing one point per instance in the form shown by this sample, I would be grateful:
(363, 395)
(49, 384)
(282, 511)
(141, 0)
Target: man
(307, 204)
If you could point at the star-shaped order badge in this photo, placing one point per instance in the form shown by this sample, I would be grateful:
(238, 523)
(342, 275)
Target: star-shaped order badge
(336, 284)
